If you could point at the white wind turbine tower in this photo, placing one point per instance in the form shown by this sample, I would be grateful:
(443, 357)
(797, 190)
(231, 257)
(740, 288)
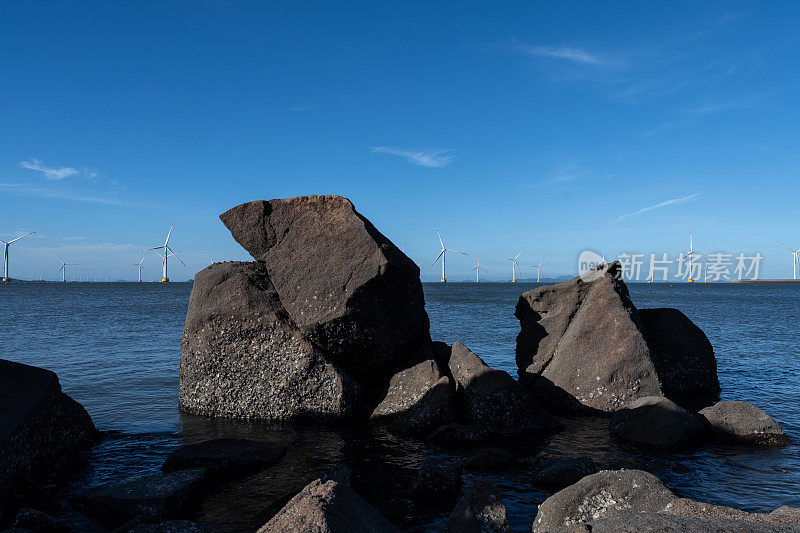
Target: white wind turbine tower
(539, 270)
(167, 253)
(443, 255)
(794, 260)
(140, 267)
(63, 269)
(477, 270)
(5, 254)
(690, 255)
(514, 265)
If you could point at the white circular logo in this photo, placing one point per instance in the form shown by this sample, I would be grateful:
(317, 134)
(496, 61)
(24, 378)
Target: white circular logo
(588, 262)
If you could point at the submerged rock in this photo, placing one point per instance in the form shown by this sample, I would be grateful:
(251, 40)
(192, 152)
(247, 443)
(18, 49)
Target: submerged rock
(172, 526)
(347, 288)
(328, 507)
(744, 423)
(457, 434)
(494, 400)
(562, 472)
(583, 347)
(656, 422)
(437, 478)
(419, 399)
(244, 358)
(39, 522)
(153, 497)
(490, 459)
(39, 426)
(479, 510)
(224, 456)
(607, 493)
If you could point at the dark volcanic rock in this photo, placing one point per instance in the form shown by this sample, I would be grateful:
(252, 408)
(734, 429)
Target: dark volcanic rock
(664, 523)
(244, 358)
(681, 352)
(420, 398)
(224, 456)
(584, 347)
(39, 426)
(438, 479)
(741, 422)
(686, 507)
(156, 496)
(493, 399)
(656, 422)
(39, 522)
(346, 286)
(328, 507)
(491, 459)
(560, 473)
(607, 493)
(480, 510)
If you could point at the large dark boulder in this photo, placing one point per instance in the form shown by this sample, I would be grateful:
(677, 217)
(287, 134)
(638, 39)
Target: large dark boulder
(743, 423)
(583, 346)
(347, 288)
(494, 400)
(681, 352)
(656, 422)
(607, 493)
(419, 398)
(665, 523)
(328, 507)
(243, 357)
(40, 426)
(687, 507)
(153, 497)
(225, 456)
(479, 510)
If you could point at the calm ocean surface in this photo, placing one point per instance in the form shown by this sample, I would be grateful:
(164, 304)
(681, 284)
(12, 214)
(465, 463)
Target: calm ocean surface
(116, 347)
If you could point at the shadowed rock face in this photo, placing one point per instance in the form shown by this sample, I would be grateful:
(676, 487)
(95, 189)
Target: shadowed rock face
(347, 288)
(39, 425)
(584, 347)
(243, 357)
(480, 510)
(743, 423)
(656, 422)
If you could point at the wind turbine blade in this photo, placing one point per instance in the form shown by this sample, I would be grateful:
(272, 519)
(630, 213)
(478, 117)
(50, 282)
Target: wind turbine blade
(169, 233)
(148, 249)
(457, 252)
(437, 257)
(21, 237)
(519, 254)
(440, 237)
(176, 256)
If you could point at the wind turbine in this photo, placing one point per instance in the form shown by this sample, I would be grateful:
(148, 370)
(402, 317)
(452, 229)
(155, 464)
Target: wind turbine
(690, 254)
(443, 255)
(539, 270)
(5, 254)
(794, 260)
(167, 253)
(514, 265)
(140, 267)
(477, 270)
(63, 269)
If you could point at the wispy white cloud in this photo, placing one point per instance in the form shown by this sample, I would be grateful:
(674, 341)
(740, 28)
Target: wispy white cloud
(44, 192)
(575, 55)
(431, 159)
(50, 173)
(665, 203)
(300, 108)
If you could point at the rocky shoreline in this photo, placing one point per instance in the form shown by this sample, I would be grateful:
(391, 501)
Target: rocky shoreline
(328, 325)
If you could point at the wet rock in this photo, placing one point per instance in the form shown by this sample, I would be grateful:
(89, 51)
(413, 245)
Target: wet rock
(39, 426)
(493, 399)
(560, 473)
(457, 434)
(172, 526)
(664, 523)
(687, 507)
(480, 510)
(224, 456)
(437, 478)
(347, 288)
(153, 497)
(38, 522)
(656, 422)
(584, 348)
(741, 422)
(419, 399)
(605, 494)
(490, 459)
(328, 507)
(681, 352)
(244, 358)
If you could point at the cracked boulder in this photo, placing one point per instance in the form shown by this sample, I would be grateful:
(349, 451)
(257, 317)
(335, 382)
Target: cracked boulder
(584, 347)
(346, 287)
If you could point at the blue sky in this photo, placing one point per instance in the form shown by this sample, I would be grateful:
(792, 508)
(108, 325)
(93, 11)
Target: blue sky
(557, 127)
